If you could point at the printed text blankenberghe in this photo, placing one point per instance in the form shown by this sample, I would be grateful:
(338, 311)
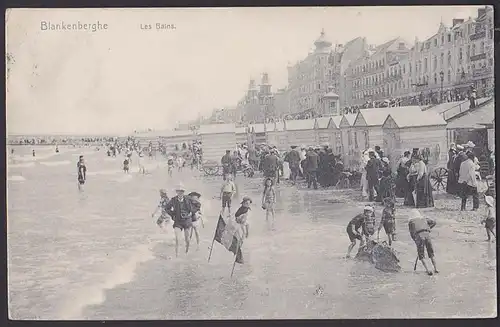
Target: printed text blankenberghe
(78, 26)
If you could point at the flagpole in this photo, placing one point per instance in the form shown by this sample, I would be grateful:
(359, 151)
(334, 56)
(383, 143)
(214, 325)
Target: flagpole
(213, 240)
(235, 256)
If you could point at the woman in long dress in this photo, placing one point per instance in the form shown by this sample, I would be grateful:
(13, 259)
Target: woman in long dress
(451, 183)
(410, 196)
(402, 171)
(364, 181)
(423, 186)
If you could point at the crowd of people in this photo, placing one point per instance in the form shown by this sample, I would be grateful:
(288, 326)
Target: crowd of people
(318, 166)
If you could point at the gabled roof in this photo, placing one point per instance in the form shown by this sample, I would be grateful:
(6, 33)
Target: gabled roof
(385, 46)
(299, 125)
(377, 116)
(335, 122)
(416, 119)
(322, 123)
(217, 129)
(347, 120)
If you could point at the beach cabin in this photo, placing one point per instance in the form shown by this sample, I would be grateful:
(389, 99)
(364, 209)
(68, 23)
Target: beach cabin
(474, 125)
(368, 125)
(172, 138)
(277, 136)
(241, 134)
(350, 150)
(300, 132)
(329, 133)
(216, 139)
(321, 129)
(258, 132)
(424, 129)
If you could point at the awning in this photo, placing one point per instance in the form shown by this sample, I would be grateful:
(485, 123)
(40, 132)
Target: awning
(474, 119)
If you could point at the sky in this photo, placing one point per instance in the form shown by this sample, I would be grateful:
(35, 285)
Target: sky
(127, 77)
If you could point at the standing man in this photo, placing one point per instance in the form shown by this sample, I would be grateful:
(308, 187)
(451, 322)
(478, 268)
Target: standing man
(226, 164)
(293, 159)
(253, 158)
(312, 163)
(420, 232)
(372, 175)
(468, 182)
(181, 211)
(270, 166)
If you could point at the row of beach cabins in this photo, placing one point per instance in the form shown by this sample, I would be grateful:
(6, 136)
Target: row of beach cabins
(393, 129)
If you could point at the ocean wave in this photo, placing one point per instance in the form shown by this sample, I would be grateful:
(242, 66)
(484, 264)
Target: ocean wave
(104, 172)
(16, 178)
(94, 295)
(21, 165)
(55, 163)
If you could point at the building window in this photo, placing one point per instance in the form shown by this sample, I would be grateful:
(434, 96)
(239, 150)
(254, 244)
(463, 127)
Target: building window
(482, 47)
(449, 38)
(441, 60)
(435, 78)
(473, 50)
(442, 39)
(401, 45)
(355, 140)
(449, 58)
(468, 52)
(435, 42)
(319, 86)
(425, 64)
(449, 76)
(460, 54)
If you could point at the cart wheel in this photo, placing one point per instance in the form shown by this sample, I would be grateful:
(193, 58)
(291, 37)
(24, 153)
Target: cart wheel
(211, 171)
(439, 179)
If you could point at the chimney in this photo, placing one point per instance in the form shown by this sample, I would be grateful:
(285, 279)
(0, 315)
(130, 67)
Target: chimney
(456, 21)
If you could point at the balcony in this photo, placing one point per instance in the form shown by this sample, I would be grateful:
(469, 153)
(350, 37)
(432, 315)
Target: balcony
(477, 57)
(478, 35)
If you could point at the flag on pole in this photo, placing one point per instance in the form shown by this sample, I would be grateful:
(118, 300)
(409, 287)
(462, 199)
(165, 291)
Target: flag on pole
(229, 235)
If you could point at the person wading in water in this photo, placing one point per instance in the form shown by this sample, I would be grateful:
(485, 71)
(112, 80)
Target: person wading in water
(181, 211)
(81, 172)
(353, 229)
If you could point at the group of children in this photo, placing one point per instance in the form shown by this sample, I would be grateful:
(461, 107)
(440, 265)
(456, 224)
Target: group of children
(229, 190)
(419, 228)
(185, 212)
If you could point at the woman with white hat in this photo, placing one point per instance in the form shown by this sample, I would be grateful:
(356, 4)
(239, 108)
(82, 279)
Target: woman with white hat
(364, 182)
(181, 211)
(490, 220)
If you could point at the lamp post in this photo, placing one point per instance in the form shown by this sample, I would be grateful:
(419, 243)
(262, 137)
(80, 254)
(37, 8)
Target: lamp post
(441, 75)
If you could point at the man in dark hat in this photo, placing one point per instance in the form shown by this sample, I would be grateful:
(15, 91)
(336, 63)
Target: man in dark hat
(226, 164)
(312, 163)
(293, 159)
(372, 174)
